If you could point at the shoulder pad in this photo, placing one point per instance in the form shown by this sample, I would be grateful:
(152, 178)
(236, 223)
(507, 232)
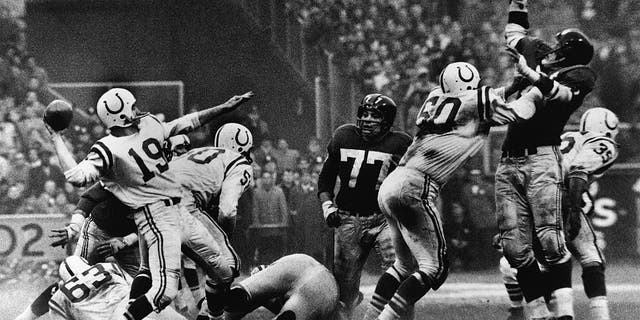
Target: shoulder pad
(577, 76)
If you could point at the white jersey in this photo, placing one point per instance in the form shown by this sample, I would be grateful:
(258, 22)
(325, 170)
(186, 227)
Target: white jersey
(587, 154)
(214, 177)
(135, 168)
(94, 294)
(453, 127)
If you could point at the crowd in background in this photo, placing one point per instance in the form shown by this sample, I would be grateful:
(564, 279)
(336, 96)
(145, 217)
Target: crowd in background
(393, 47)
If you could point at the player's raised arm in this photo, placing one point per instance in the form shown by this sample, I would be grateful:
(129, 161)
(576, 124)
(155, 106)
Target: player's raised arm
(517, 24)
(194, 120)
(500, 112)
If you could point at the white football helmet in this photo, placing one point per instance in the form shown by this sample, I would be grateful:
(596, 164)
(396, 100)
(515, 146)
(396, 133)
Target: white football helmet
(115, 108)
(459, 76)
(71, 266)
(233, 136)
(600, 120)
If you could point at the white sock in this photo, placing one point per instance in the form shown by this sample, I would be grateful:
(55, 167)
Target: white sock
(563, 302)
(599, 308)
(538, 308)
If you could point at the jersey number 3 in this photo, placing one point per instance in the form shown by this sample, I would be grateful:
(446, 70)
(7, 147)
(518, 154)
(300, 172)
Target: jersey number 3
(361, 156)
(79, 287)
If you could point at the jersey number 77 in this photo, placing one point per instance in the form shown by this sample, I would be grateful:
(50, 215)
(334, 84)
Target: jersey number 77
(367, 157)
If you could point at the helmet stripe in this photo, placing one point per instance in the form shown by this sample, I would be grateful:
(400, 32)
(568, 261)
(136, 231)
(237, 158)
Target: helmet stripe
(66, 266)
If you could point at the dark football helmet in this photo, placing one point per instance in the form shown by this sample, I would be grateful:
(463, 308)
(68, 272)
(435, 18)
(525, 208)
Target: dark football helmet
(376, 114)
(572, 48)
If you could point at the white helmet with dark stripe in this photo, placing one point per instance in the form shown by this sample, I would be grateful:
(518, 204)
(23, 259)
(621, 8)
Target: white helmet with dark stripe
(600, 120)
(115, 108)
(459, 76)
(72, 266)
(233, 136)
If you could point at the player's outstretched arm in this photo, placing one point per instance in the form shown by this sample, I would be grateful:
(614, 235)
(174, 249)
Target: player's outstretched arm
(194, 120)
(518, 22)
(64, 155)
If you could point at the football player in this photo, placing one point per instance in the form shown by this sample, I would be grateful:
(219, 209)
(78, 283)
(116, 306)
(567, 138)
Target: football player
(453, 124)
(294, 287)
(529, 185)
(134, 167)
(215, 178)
(587, 154)
(362, 155)
(106, 232)
(94, 292)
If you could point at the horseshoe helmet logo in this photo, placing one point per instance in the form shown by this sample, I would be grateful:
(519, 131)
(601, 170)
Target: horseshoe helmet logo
(237, 137)
(462, 77)
(118, 110)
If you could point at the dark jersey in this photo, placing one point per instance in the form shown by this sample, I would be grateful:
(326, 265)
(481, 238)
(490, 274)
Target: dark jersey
(361, 165)
(107, 212)
(547, 124)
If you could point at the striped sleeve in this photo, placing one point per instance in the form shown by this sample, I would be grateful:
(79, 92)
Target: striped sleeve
(595, 157)
(233, 186)
(181, 125)
(98, 162)
(56, 307)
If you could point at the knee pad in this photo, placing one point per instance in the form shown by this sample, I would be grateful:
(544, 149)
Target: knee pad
(593, 280)
(517, 254)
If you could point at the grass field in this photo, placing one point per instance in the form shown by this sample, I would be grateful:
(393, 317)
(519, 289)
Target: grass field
(465, 295)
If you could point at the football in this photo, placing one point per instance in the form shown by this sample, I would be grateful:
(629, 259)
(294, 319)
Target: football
(58, 115)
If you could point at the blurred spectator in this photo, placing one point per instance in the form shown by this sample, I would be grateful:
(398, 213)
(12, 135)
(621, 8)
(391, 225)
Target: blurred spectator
(460, 233)
(289, 188)
(256, 125)
(478, 194)
(13, 199)
(285, 158)
(19, 171)
(62, 205)
(5, 166)
(9, 136)
(46, 170)
(310, 225)
(303, 166)
(314, 153)
(270, 220)
(257, 174)
(264, 153)
(272, 168)
(46, 201)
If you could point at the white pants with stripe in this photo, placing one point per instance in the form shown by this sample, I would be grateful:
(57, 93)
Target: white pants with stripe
(159, 230)
(407, 197)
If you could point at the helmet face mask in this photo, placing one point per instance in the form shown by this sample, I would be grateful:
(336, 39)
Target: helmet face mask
(600, 120)
(375, 117)
(572, 48)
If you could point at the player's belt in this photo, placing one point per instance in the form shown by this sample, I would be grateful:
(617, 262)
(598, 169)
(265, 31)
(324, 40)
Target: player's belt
(523, 152)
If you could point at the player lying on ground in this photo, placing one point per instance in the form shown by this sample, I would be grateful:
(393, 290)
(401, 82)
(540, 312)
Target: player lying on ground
(453, 124)
(529, 177)
(132, 162)
(587, 154)
(94, 292)
(106, 232)
(294, 287)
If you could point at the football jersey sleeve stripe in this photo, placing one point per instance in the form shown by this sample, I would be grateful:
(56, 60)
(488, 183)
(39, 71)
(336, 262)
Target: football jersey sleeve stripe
(487, 103)
(53, 305)
(107, 152)
(234, 163)
(101, 155)
(481, 115)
